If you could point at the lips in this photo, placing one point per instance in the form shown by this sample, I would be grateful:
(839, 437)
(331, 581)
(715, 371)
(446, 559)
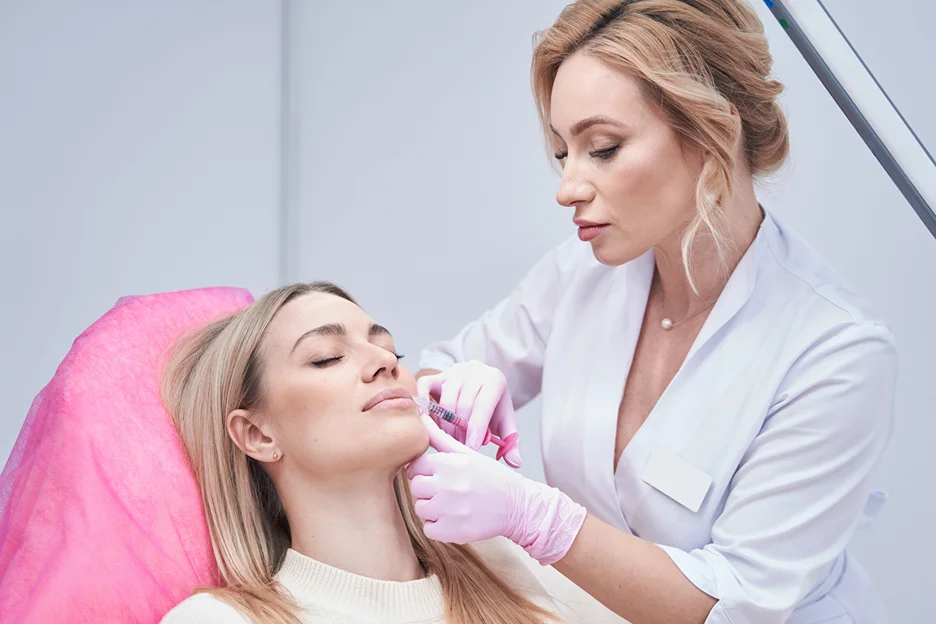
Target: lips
(588, 233)
(387, 395)
(582, 223)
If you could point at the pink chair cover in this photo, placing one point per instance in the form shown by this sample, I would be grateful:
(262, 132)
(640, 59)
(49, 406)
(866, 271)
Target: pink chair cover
(100, 516)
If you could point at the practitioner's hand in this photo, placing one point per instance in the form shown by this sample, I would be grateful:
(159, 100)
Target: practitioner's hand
(478, 393)
(464, 496)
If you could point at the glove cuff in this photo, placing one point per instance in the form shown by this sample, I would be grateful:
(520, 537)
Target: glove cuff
(548, 524)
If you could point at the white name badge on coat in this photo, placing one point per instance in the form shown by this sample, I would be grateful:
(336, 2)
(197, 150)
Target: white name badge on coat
(674, 476)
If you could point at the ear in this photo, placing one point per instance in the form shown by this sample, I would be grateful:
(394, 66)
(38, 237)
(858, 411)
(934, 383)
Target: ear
(250, 438)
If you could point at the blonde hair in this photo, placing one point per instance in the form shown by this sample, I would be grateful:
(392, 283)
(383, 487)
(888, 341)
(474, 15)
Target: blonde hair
(693, 58)
(218, 369)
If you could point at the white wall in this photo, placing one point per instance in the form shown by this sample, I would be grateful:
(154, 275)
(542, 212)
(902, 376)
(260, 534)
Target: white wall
(422, 159)
(139, 153)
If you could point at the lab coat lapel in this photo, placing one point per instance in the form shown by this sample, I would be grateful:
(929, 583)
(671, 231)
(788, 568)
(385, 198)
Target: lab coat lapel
(681, 411)
(735, 294)
(613, 356)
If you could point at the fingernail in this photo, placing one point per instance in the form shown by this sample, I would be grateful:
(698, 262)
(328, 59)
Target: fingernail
(513, 458)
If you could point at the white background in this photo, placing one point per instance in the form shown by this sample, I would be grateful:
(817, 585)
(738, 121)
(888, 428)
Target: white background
(141, 153)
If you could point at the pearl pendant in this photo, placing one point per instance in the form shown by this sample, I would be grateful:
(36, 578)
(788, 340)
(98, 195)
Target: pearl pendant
(666, 323)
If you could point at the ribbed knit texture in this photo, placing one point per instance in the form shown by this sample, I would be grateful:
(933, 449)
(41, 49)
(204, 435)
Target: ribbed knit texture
(330, 596)
(350, 598)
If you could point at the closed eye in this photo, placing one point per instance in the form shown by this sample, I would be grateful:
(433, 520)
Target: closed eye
(327, 361)
(604, 154)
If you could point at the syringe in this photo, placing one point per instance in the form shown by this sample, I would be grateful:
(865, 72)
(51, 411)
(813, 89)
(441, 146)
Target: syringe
(430, 407)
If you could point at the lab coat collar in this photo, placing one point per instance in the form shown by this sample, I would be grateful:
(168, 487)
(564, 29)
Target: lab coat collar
(739, 288)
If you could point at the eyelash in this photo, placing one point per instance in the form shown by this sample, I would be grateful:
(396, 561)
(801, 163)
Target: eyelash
(336, 359)
(327, 362)
(604, 154)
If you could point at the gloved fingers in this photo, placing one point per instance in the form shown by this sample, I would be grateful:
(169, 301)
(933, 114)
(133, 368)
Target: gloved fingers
(485, 403)
(451, 390)
(450, 429)
(442, 532)
(504, 424)
(424, 464)
(430, 385)
(423, 486)
(441, 441)
(467, 409)
(428, 510)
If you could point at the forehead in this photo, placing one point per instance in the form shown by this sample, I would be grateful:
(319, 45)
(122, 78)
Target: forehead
(585, 87)
(310, 311)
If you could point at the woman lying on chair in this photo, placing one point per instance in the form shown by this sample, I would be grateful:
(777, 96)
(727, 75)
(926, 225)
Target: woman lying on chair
(297, 419)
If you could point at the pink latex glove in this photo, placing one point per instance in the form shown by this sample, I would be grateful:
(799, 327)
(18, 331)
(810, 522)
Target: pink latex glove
(463, 496)
(478, 393)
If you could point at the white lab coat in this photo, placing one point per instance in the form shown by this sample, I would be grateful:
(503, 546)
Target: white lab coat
(785, 400)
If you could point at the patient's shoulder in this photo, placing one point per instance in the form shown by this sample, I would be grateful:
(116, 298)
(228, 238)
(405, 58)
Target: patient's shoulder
(513, 565)
(544, 585)
(204, 609)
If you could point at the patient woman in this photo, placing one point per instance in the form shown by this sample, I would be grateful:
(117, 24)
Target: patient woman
(297, 419)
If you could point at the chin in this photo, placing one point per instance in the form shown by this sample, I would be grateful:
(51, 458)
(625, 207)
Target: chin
(614, 252)
(406, 439)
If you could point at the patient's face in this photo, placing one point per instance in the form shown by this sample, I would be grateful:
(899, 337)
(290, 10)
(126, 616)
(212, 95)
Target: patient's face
(326, 367)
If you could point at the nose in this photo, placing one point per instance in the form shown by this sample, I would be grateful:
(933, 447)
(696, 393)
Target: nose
(380, 363)
(574, 189)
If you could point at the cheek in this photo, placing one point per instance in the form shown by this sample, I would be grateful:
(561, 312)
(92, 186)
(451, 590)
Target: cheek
(407, 380)
(320, 425)
(652, 187)
(330, 444)
(654, 169)
(306, 398)
(309, 410)
(400, 440)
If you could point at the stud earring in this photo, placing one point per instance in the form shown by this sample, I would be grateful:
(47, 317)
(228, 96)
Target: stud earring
(275, 456)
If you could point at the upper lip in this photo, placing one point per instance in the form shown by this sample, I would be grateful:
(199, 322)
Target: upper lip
(383, 395)
(583, 223)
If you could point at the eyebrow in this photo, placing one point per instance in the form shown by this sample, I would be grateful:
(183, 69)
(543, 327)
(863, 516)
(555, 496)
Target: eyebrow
(595, 120)
(337, 329)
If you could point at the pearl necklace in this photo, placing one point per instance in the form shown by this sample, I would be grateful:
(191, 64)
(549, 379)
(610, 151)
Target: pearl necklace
(667, 323)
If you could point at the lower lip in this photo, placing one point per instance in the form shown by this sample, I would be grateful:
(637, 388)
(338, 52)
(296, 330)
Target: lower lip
(590, 233)
(393, 404)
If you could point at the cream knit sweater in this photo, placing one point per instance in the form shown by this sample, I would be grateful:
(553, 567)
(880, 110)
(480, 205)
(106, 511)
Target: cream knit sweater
(332, 596)
(329, 595)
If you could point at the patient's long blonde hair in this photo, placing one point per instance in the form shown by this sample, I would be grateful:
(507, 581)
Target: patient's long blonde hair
(216, 370)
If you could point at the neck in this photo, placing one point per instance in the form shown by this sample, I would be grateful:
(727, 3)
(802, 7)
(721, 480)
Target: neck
(742, 219)
(354, 524)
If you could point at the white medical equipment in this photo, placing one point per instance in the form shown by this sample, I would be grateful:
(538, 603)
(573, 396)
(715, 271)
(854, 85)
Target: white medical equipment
(863, 100)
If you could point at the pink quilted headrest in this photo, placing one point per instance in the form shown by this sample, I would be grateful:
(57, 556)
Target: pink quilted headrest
(100, 516)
